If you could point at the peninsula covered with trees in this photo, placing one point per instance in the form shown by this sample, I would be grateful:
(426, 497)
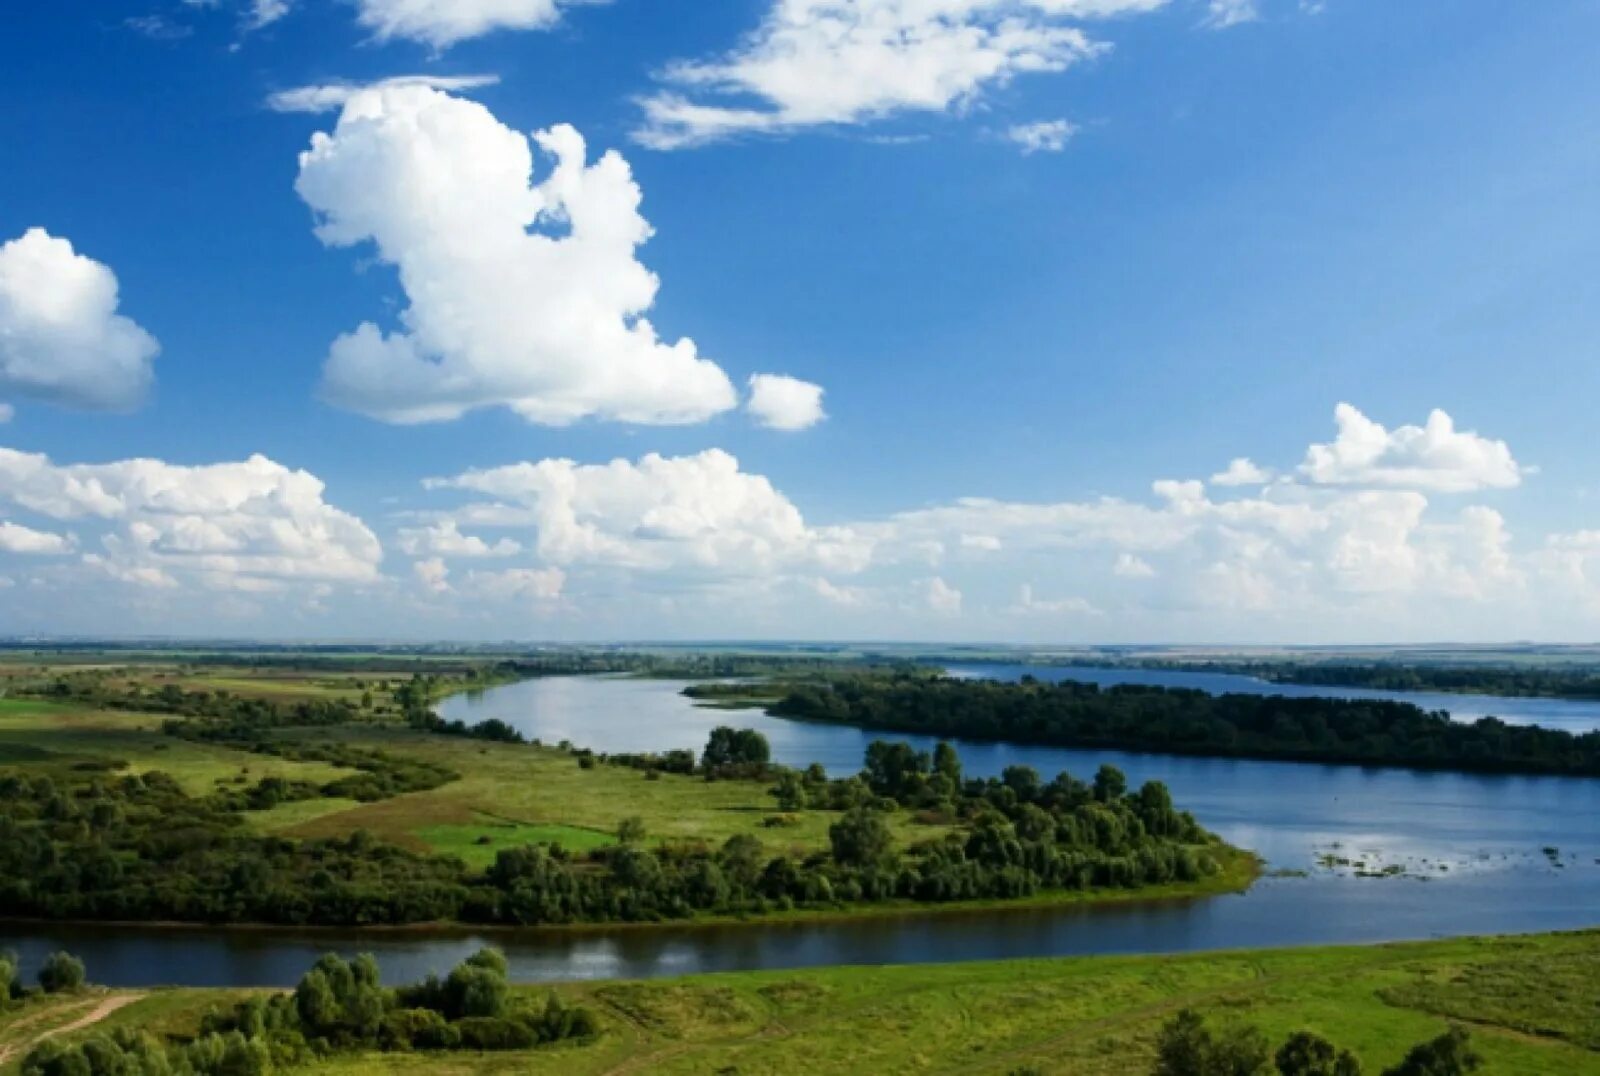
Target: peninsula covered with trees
(85, 835)
(1134, 717)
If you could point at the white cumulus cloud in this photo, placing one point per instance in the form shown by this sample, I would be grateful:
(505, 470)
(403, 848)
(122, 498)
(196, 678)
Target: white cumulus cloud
(249, 525)
(1242, 472)
(330, 96)
(524, 295)
(692, 513)
(1435, 456)
(537, 585)
(15, 538)
(442, 23)
(940, 596)
(1042, 136)
(444, 539)
(61, 338)
(1221, 14)
(780, 402)
(815, 62)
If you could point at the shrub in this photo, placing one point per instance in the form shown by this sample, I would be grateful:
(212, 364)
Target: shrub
(495, 1033)
(60, 972)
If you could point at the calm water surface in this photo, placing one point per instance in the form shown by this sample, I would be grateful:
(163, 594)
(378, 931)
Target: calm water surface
(1471, 848)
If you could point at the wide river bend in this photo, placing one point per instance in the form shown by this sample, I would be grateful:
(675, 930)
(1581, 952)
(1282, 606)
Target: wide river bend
(1471, 851)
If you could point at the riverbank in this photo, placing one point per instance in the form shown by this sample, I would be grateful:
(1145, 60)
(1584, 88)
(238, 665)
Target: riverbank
(1528, 1001)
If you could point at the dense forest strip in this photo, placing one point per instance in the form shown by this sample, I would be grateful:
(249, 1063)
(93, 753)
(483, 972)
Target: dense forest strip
(1182, 721)
(1477, 680)
(1508, 681)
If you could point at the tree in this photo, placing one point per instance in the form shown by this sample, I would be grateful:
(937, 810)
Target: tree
(890, 767)
(742, 858)
(947, 763)
(735, 747)
(861, 838)
(8, 976)
(791, 792)
(315, 1002)
(1024, 781)
(1450, 1054)
(477, 991)
(631, 830)
(1109, 784)
(61, 971)
(1185, 1047)
(1309, 1054)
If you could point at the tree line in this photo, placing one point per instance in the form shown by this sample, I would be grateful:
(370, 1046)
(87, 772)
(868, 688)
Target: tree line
(1187, 1047)
(1137, 717)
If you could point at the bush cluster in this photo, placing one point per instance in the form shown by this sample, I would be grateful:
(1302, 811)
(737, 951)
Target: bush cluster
(340, 1006)
(1186, 1047)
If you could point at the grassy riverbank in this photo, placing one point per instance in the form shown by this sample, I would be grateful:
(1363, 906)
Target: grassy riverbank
(1530, 1002)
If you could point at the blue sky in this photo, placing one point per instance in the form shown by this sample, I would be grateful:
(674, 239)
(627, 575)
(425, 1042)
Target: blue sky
(1233, 219)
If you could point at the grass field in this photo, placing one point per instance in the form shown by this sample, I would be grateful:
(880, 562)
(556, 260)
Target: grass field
(1531, 1003)
(507, 793)
(33, 731)
(509, 784)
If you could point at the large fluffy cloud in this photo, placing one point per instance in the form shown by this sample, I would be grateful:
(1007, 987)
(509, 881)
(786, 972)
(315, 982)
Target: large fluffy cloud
(1435, 456)
(1298, 553)
(522, 294)
(442, 23)
(249, 525)
(61, 338)
(699, 514)
(817, 62)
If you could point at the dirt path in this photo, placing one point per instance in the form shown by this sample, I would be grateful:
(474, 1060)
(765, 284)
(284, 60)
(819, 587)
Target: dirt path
(97, 1013)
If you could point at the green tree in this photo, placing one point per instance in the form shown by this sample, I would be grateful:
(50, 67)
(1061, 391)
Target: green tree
(947, 763)
(61, 971)
(631, 830)
(1450, 1054)
(8, 976)
(735, 747)
(1309, 1054)
(315, 1002)
(1185, 1047)
(861, 838)
(1109, 784)
(742, 858)
(791, 792)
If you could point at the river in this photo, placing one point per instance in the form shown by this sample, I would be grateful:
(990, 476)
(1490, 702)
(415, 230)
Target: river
(1470, 849)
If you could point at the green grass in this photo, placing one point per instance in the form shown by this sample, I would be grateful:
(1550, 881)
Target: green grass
(532, 786)
(34, 731)
(1529, 1002)
(477, 843)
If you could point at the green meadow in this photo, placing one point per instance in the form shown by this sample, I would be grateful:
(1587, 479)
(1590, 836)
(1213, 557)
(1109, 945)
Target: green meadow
(1531, 1003)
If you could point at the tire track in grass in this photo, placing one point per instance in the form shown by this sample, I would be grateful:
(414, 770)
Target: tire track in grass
(105, 1008)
